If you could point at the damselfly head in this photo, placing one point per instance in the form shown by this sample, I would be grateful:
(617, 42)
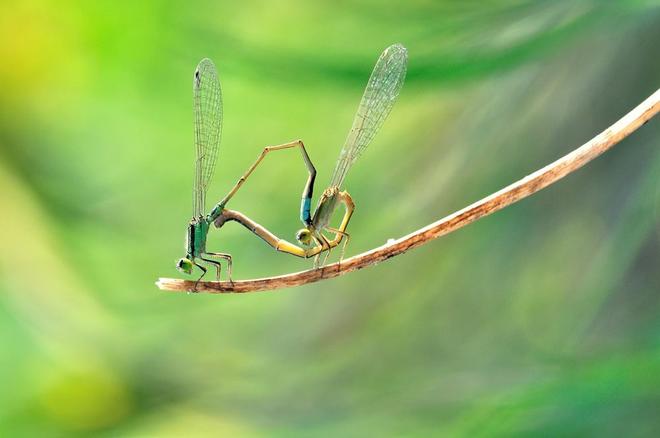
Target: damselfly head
(185, 265)
(304, 236)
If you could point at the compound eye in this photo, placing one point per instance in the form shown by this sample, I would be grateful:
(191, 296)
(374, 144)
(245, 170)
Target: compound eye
(304, 236)
(184, 265)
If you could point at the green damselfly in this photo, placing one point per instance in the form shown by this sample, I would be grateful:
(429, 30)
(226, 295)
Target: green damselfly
(207, 105)
(379, 96)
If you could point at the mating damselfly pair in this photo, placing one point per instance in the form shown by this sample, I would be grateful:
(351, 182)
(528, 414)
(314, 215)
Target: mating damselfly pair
(317, 235)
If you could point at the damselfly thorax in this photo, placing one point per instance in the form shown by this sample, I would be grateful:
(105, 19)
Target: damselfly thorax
(198, 230)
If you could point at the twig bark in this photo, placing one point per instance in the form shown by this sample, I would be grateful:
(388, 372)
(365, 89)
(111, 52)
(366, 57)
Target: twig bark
(490, 204)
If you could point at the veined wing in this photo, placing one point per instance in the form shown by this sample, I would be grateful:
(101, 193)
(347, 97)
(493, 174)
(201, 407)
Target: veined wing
(207, 103)
(382, 90)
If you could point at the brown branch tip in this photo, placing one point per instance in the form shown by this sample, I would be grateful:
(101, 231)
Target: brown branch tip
(503, 198)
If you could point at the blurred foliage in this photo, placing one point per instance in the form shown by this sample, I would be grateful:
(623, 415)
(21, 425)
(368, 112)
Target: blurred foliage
(542, 318)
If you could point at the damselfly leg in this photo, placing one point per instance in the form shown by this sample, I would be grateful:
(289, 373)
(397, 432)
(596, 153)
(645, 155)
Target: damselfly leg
(346, 237)
(218, 267)
(340, 232)
(223, 256)
(201, 276)
(325, 245)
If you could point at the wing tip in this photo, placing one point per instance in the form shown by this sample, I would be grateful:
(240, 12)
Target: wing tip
(204, 66)
(205, 62)
(397, 49)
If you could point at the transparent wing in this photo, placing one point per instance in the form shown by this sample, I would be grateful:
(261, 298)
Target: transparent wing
(382, 90)
(207, 103)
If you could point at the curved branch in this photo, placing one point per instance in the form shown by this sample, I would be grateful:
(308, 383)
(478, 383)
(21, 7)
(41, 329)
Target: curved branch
(490, 204)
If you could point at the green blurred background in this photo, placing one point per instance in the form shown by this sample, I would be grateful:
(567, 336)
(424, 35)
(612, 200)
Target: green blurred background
(541, 318)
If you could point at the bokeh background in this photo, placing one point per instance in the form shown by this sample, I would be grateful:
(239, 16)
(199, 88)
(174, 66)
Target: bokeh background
(542, 318)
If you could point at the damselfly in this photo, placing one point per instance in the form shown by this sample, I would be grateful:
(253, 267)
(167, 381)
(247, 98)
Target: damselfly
(207, 104)
(379, 96)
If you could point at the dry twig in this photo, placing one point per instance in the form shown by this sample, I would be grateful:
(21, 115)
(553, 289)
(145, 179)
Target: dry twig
(490, 204)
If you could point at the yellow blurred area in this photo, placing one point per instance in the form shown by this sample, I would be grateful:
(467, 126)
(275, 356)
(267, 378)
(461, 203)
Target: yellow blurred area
(40, 43)
(86, 399)
(190, 421)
